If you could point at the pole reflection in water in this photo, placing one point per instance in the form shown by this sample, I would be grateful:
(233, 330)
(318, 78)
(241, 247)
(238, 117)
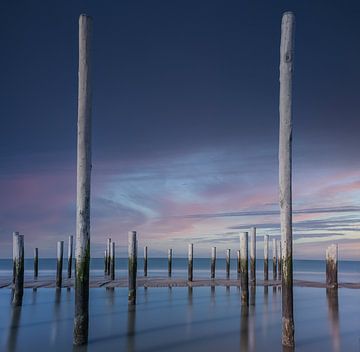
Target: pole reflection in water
(252, 318)
(333, 312)
(131, 328)
(212, 295)
(244, 328)
(56, 316)
(13, 328)
(265, 319)
(189, 317)
(252, 295)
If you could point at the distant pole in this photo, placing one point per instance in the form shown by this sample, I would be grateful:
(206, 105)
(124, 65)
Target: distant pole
(244, 274)
(253, 256)
(213, 262)
(238, 261)
(228, 263)
(145, 260)
(169, 262)
(279, 260)
(105, 261)
(18, 253)
(285, 193)
(82, 249)
(70, 255)
(266, 257)
(332, 266)
(190, 261)
(112, 261)
(108, 253)
(59, 266)
(14, 254)
(274, 248)
(132, 267)
(36, 263)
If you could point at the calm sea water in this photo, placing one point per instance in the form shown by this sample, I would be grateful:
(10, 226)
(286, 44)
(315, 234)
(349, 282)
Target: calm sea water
(181, 319)
(349, 271)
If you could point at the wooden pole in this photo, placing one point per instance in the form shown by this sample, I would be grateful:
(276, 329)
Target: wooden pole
(279, 260)
(274, 248)
(18, 254)
(132, 267)
(332, 266)
(169, 262)
(213, 262)
(244, 268)
(145, 260)
(108, 253)
(238, 261)
(59, 266)
(228, 263)
(190, 261)
(14, 254)
(105, 261)
(70, 256)
(285, 192)
(253, 256)
(82, 254)
(36, 263)
(266, 257)
(112, 261)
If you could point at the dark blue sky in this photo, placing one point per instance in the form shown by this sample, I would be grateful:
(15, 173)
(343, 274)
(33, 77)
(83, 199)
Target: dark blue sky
(173, 81)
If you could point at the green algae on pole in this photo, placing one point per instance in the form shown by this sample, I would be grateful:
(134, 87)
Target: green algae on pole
(266, 257)
(59, 263)
(244, 268)
(213, 262)
(285, 192)
(36, 263)
(169, 262)
(190, 261)
(132, 267)
(253, 256)
(70, 256)
(18, 255)
(228, 263)
(332, 266)
(82, 248)
(145, 260)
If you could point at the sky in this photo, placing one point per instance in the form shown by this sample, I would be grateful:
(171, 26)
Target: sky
(185, 124)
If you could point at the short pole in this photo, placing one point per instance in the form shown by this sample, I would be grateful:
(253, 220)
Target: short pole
(169, 262)
(238, 261)
(332, 266)
(108, 253)
(244, 268)
(266, 257)
(132, 250)
(190, 261)
(36, 262)
(59, 266)
(213, 262)
(18, 254)
(145, 260)
(274, 248)
(228, 263)
(253, 256)
(112, 261)
(70, 256)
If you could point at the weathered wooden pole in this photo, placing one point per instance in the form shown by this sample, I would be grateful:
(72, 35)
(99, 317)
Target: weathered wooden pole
(332, 266)
(279, 260)
(274, 249)
(190, 261)
(105, 261)
(14, 254)
(145, 260)
(108, 256)
(59, 263)
(82, 249)
(253, 256)
(132, 250)
(18, 255)
(70, 256)
(244, 268)
(36, 263)
(266, 257)
(213, 262)
(238, 261)
(285, 192)
(169, 262)
(228, 263)
(112, 261)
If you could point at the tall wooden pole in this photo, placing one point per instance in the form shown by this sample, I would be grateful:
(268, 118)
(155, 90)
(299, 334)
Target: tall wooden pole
(285, 192)
(132, 251)
(332, 266)
(169, 262)
(266, 257)
(213, 262)
(18, 255)
(145, 260)
(190, 261)
(108, 258)
(105, 261)
(82, 254)
(274, 249)
(238, 261)
(112, 261)
(36, 263)
(70, 256)
(253, 256)
(14, 254)
(279, 260)
(228, 263)
(244, 268)
(59, 263)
